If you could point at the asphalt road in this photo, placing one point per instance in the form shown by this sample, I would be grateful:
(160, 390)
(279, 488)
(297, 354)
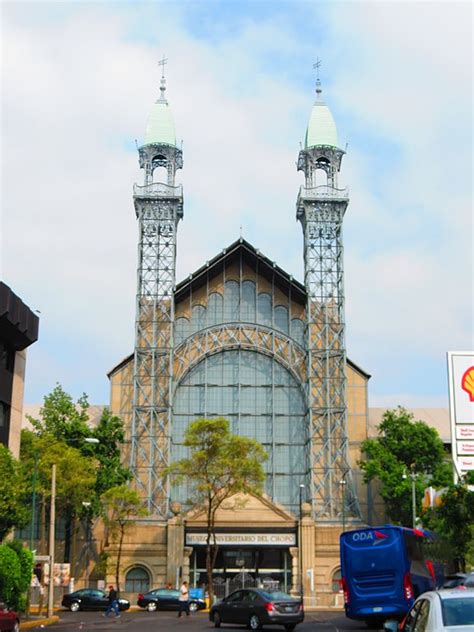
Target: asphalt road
(199, 622)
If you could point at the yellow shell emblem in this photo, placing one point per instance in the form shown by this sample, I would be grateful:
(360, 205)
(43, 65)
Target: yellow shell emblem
(467, 382)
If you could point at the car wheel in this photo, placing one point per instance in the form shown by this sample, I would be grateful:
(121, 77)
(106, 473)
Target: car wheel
(254, 623)
(217, 620)
(193, 606)
(151, 606)
(75, 606)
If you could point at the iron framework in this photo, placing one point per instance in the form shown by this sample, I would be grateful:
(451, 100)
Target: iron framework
(321, 211)
(159, 207)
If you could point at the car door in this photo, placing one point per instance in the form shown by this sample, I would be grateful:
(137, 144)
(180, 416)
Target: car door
(229, 608)
(168, 599)
(247, 606)
(98, 599)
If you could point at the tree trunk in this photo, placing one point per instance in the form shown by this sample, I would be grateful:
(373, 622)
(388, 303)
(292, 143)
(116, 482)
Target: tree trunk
(119, 555)
(68, 537)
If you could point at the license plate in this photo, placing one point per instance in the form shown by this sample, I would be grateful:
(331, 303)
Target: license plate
(288, 609)
(377, 609)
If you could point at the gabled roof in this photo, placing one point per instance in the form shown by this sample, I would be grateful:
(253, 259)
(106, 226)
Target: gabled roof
(252, 256)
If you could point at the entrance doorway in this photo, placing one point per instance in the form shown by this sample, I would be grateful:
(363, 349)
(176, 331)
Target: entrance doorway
(243, 567)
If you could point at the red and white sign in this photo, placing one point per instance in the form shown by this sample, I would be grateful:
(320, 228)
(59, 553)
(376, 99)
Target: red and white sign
(461, 409)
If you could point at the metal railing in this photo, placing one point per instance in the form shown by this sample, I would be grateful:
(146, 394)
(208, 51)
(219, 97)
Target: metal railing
(323, 191)
(158, 189)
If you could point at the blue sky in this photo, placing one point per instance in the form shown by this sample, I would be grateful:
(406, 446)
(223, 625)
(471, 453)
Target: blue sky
(78, 81)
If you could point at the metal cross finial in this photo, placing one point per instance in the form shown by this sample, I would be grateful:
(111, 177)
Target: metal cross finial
(162, 63)
(317, 66)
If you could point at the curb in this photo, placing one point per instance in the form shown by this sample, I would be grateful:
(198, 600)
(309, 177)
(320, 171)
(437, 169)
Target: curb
(24, 625)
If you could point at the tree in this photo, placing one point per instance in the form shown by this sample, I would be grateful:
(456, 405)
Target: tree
(219, 465)
(453, 518)
(10, 575)
(26, 561)
(404, 446)
(120, 506)
(13, 494)
(75, 479)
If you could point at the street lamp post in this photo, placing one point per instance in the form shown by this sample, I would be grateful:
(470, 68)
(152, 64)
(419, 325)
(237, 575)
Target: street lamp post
(51, 541)
(301, 542)
(413, 495)
(343, 483)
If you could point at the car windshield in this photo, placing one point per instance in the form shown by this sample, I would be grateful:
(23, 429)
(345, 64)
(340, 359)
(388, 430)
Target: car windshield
(277, 596)
(458, 611)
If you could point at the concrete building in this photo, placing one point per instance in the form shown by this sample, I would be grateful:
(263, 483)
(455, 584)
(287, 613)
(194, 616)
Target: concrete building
(18, 330)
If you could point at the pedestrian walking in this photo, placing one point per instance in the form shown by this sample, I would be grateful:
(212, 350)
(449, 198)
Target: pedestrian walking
(183, 599)
(113, 603)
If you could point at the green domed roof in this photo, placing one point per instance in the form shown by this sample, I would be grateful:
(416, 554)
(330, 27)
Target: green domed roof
(160, 127)
(321, 127)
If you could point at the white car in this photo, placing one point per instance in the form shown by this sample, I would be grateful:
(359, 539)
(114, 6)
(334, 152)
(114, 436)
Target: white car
(438, 611)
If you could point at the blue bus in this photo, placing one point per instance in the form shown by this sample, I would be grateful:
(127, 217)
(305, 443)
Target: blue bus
(384, 569)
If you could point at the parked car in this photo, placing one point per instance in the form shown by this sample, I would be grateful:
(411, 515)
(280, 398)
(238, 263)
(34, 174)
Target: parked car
(459, 580)
(9, 620)
(255, 607)
(438, 611)
(90, 599)
(167, 599)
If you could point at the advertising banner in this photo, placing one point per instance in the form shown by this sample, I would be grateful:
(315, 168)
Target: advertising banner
(461, 409)
(61, 574)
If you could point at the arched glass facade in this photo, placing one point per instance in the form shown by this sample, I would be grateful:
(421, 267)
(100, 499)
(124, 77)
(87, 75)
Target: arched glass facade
(239, 303)
(262, 400)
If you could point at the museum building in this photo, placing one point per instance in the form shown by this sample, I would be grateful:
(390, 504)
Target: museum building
(242, 339)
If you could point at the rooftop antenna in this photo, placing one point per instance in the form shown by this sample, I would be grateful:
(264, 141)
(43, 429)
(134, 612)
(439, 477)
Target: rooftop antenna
(316, 67)
(162, 63)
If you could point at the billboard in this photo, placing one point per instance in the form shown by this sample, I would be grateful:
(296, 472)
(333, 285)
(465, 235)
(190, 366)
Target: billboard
(461, 409)
(61, 574)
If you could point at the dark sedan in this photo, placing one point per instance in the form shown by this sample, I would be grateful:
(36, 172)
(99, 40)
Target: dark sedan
(255, 608)
(90, 599)
(166, 599)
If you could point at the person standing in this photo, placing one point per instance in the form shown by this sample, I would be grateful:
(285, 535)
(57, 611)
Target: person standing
(113, 603)
(183, 599)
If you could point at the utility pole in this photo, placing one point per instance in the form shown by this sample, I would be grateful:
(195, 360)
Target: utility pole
(51, 541)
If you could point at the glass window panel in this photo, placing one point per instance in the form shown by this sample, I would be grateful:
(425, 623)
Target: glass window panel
(264, 310)
(248, 307)
(297, 331)
(214, 309)
(181, 401)
(198, 318)
(281, 318)
(180, 330)
(231, 301)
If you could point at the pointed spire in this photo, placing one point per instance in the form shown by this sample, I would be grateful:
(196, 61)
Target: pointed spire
(316, 66)
(162, 63)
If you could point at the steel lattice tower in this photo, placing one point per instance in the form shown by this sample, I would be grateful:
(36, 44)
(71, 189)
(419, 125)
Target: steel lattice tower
(321, 209)
(158, 207)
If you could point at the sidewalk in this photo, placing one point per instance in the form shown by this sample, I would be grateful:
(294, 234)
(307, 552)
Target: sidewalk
(33, 623)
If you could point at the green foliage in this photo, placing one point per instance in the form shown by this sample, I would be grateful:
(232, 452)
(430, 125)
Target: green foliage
(454, 519)
(13, 509)
(10, 575)
(404, 445)
(219, 465)
(26, 561)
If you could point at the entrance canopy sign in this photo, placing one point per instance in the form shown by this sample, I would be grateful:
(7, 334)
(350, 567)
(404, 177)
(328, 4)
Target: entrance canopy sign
(244, 539)
(461, 409)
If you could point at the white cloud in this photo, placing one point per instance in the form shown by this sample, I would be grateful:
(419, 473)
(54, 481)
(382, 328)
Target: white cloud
(77, 88)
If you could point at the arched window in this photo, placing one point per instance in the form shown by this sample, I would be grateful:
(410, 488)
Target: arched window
(137, 580)
(281, 318)
(248, 307)
(214, 309)
(264, 307)
(198, 319)
(297, 331)
(181, 330)
(160, 174)
(336, 581)
(231, 302)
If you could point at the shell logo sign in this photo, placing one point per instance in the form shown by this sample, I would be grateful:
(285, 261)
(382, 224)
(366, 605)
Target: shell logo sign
(467, 383)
